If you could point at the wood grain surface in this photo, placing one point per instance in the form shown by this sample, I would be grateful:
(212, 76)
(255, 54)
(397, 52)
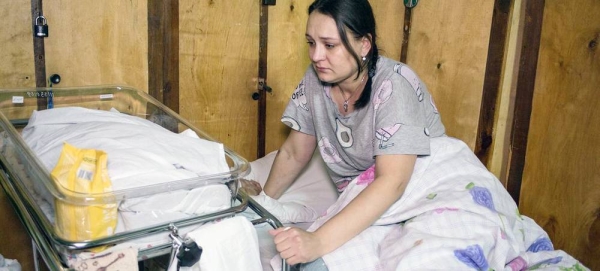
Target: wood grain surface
(448, 49)
(219, 68)
(97, 42)
(561, 180)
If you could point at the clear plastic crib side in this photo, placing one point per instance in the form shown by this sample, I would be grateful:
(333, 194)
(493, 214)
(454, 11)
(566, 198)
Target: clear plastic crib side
(16, 106)
(32, 180)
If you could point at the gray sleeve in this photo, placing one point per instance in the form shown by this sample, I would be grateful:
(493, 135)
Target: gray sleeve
(400, 117)
(297, 114)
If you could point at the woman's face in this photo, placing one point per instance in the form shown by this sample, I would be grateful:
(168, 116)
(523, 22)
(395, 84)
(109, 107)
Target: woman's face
(330, 58)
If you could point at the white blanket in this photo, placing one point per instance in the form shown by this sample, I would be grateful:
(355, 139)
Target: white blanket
(135, 146)
(140, 153)
(454, 215)
(229, 244)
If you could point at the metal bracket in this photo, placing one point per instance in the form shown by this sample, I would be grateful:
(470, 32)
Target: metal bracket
(186, 251)
(269, 2)
(263, 86)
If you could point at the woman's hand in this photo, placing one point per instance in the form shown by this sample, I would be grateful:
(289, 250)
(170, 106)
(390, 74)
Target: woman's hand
(252, 188)
(296, 245)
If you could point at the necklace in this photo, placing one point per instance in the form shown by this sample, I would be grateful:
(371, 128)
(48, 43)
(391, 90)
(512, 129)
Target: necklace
(356, 90)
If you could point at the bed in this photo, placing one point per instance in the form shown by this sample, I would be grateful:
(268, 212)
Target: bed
(107, 175)
(454, 215)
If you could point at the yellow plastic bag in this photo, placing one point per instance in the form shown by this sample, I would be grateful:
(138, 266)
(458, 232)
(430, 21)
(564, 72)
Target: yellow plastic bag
(83, 171)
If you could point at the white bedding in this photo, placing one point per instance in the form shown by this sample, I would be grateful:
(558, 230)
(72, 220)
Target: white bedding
(454, 215)
(305, 200)
(140, 153)
(135, 146)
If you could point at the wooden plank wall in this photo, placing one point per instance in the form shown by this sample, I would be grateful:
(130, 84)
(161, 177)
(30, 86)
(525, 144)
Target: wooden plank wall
(219, 69)
(287, 62)
(452, 68)
(16, 67)
(17, 71)
(561, 179)
(97, 42)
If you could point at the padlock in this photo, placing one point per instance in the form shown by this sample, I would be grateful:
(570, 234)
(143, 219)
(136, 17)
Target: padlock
(40, 29)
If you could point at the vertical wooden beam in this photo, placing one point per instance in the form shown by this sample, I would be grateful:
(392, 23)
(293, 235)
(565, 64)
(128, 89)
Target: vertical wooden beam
(38, 46)
(534, 14)
(163, 52)
(406, 35)
(39, 54)
(491, 83)
(262, 80)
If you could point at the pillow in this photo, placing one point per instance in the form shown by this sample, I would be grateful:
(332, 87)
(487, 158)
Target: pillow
(307, 198)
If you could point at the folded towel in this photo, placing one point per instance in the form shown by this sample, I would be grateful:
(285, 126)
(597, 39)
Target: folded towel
(230, 244)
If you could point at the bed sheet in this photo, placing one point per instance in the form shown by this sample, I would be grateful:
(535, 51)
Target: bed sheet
(453, 215)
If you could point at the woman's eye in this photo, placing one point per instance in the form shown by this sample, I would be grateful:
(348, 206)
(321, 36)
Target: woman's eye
(329, 45)
(310, 43)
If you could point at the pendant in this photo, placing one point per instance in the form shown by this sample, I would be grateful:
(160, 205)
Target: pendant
(345, 106)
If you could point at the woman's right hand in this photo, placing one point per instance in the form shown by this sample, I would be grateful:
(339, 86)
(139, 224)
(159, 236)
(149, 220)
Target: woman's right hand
(252, 188)
(296, 245)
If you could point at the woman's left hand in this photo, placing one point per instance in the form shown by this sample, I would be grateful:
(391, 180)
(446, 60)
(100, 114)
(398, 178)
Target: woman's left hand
(252, 188)
(296, 245)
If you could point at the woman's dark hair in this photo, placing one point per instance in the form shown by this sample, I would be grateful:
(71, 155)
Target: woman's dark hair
(356, 16)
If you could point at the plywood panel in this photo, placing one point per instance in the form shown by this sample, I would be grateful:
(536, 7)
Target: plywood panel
(561, 180)
(389, 17)
(448, 49)
(287, 62)
(16, 37)
(16, 71)
(218, 69)
(288, 53)
(97, 42)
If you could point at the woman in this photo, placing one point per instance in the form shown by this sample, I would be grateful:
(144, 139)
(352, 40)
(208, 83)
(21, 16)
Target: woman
(377, 128)
(360, 110)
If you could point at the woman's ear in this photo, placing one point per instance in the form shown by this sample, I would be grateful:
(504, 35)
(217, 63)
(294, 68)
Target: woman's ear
(366, 45)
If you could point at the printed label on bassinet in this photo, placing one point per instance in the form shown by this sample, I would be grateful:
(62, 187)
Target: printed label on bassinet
(106, 96)
(18, 99)
(40, 94)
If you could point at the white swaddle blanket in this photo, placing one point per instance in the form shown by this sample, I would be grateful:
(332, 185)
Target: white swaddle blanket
(135, 146)
(140, 153)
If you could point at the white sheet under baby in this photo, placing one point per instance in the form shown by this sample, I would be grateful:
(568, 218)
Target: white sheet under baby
(230, 244)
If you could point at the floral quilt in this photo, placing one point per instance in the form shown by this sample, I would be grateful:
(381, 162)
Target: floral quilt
(453, 215)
